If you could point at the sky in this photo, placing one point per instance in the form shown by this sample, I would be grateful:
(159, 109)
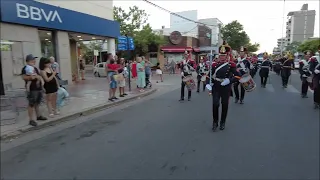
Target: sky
(262, 20)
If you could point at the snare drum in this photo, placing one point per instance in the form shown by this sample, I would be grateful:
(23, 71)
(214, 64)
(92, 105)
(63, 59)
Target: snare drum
(190, 84)
(309, 79)
(204, 76)
(247, 83)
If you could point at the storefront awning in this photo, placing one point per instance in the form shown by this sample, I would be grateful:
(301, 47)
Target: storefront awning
(179, 49)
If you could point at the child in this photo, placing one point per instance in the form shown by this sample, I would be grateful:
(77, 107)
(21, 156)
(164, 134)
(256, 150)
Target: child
(30, 71)
(121, 82)
(112, 71)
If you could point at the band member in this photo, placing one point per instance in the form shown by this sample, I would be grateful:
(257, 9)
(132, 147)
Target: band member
(277, 66)
(223, 73)
(186, 70)
(254, 62)
(287, 65)
(264, 71)
(315, 69)
(201, 68)
(305, 73)
(244, 67)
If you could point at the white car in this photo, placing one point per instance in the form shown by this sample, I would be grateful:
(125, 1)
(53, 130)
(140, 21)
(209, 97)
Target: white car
(99, 70)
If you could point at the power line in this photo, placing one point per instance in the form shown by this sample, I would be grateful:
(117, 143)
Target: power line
(175, 14)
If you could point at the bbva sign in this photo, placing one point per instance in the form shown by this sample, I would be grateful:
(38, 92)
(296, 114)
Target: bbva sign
(37, 14)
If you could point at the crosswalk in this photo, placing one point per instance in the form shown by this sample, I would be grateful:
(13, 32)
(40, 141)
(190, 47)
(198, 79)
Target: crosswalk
(274, 88)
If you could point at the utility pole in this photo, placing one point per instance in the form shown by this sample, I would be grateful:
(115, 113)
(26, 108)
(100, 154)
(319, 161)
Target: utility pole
(129, 68)
(283, 22)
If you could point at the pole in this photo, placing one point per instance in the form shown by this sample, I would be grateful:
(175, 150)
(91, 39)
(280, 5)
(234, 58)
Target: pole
(129, 68)
(283, 13)
(210, 70)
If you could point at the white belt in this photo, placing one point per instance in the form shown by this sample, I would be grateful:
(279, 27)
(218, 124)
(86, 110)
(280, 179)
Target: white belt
(265, 66)
(287, 66)
(219, 79)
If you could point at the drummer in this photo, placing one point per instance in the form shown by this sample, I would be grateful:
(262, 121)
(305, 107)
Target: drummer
(243, 66)
(201, 71)
(223, 73)
(305, 74)
(186, 70)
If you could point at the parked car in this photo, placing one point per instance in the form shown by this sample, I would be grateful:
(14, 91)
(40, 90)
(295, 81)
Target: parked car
(99, 70)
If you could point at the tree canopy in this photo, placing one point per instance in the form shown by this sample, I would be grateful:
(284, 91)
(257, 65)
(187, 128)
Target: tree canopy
(134, 23)
(293, 47)
(236, 37)
(311, 45)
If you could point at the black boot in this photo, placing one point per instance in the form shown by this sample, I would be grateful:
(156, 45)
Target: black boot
(316, 106)
(241, 101)
(304, 96)
(215, 115)
(224, 114)
(236, 100)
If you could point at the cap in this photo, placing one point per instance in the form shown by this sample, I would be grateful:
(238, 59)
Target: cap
(265, 54)
(30, 57)
(289, 55)
(308, 52)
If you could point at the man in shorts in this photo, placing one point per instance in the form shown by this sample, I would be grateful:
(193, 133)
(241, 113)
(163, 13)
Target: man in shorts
(34, 95)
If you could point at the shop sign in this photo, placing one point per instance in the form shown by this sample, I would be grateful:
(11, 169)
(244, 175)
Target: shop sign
(37, 14)
(41, 15)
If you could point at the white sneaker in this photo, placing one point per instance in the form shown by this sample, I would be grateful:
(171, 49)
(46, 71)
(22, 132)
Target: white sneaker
(57, 112)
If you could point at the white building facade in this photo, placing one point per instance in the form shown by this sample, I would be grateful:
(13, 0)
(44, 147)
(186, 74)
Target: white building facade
(47, 28)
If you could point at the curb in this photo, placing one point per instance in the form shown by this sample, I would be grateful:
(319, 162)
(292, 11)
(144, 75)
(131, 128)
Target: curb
(67, 117)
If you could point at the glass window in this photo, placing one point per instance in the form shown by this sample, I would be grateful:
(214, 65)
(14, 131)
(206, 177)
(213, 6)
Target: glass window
(47, 45)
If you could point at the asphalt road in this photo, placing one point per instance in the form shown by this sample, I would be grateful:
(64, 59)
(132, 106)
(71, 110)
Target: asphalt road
(274, 135)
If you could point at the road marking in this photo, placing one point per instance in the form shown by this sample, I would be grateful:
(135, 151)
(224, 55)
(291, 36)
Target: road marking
(270, 88)
(291, 89)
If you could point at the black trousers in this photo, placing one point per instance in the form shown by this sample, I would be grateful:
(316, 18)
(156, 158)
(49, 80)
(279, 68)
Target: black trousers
(236, 90)
(264, 80)
(220, 93)
(304, 86)
(198, 84)
(285, 80)
(183, 85)
(316, 95)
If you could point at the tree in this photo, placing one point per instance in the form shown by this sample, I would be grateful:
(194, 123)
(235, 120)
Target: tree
(293, 47)
(236, 37)
(311, 45)
(133, 23)
(253, 47)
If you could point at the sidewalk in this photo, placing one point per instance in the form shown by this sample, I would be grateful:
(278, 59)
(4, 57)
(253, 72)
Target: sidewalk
(86, 97)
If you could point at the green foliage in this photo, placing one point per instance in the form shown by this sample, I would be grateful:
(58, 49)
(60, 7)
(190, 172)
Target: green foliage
(293, 47)
(87, 49)
(133, 23)
(236, 37)
(311, 45)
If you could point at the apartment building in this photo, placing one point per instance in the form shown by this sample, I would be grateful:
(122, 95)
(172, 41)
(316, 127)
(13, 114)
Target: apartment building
(213, 24)
(300, 25)
(281, 43)
(47, 28)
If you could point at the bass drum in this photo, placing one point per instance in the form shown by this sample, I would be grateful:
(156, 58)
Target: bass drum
(190, 83)
(247, 83)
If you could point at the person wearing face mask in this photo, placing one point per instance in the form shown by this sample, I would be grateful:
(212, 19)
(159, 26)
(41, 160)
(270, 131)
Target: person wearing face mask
(315, 70)
(305, 74)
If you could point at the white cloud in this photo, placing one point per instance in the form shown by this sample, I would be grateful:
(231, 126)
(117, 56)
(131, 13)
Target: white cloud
(262, 20)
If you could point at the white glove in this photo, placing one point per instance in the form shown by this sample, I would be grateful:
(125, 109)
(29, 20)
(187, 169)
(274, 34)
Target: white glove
(182, 73)
(209, 87)
(316, 71)
(225, 82)
(304, 75)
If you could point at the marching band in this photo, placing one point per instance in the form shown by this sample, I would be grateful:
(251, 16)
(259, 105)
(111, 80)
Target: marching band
(226, 70)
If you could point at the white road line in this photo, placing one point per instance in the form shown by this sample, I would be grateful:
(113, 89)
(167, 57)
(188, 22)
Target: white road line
(291, 89)
(270, 88)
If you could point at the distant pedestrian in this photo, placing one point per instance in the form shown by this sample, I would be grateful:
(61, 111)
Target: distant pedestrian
(112, 69)
(82, 69)
(159, 72)
(141, 81)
